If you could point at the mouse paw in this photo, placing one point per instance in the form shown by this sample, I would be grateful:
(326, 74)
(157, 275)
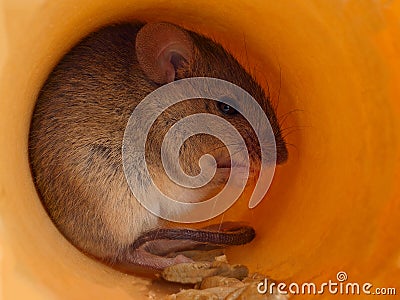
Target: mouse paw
(142, 258)
(179, 259)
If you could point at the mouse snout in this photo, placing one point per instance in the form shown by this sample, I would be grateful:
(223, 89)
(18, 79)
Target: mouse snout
(268, 144)
(281, 150)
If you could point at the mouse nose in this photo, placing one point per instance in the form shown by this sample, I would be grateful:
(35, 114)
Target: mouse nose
(281, 151)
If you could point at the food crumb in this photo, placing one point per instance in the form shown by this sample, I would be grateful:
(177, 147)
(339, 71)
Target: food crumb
(217, 280)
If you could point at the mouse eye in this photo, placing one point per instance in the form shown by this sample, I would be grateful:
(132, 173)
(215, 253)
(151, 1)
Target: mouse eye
(226, 109)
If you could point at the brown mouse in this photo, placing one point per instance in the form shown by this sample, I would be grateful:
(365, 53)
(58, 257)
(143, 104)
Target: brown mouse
(77, 131)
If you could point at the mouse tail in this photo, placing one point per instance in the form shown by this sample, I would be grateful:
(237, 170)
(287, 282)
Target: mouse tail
(219, 237)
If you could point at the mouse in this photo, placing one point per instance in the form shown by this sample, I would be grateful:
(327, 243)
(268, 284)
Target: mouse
(77, 130)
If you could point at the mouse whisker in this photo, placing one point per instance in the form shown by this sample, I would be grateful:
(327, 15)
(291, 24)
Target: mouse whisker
(291, 127)
(292, 145)
(275, 105)
(298, 127)
(245, 50)
(282, 118)
(286, 133)
(280, 87)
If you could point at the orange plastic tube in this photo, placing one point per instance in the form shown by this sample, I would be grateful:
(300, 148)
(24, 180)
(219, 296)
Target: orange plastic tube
(335, 206)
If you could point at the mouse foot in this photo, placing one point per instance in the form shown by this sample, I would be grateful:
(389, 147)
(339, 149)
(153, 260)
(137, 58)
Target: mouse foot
(147, 259)
(143, 259)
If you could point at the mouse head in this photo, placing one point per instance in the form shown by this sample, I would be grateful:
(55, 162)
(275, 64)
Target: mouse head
(167, 53)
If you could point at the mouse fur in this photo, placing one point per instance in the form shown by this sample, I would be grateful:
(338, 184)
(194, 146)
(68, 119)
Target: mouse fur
(78, 125)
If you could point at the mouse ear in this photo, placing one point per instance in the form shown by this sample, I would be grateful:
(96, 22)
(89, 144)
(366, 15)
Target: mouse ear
(161, 48)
